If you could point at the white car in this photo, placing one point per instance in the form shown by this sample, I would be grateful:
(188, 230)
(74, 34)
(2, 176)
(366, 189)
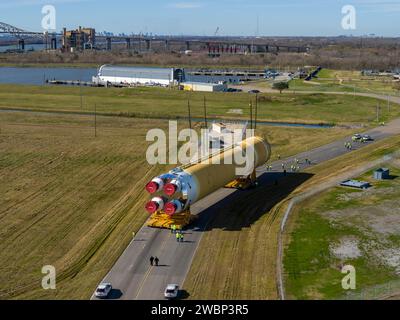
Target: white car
(356, 137)
(171, 292)
(103, 290)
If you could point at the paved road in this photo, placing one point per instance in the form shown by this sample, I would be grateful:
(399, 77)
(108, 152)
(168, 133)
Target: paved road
(134, 278)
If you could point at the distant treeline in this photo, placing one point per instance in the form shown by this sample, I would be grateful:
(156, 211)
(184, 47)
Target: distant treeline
(337, 53)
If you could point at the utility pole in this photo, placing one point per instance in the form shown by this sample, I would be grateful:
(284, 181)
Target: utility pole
(95, 121)
(251, 114)
(377, 112)
(190, 116)
(205, 113)
(388, 103)
(256, 113)
(80, 92)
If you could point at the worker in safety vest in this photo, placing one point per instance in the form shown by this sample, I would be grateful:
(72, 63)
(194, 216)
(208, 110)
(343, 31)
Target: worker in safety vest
(173, 228)
(177, 235)
(181, 237)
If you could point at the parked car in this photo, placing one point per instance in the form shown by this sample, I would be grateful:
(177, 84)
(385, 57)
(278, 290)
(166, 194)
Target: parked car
(103, 290)
(254, 91)
(171, 291)
(357, 137)
(366, 138)
(233, 90)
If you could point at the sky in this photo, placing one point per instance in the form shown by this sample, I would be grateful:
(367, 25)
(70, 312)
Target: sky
(203, 17)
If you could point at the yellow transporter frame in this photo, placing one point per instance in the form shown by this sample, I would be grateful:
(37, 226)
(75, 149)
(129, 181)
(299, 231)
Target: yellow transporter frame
(164, 221)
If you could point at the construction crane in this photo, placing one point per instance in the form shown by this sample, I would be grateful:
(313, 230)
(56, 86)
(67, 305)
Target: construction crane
(216, 32)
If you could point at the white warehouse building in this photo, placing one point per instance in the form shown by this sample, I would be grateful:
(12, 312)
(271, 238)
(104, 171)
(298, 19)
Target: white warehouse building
(204, 86)
(120, 75)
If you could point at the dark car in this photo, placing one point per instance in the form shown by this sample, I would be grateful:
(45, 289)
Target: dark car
(254, 91)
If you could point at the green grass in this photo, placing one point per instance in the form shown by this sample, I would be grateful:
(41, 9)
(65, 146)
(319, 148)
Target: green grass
(312, 272)
(165, 103)
(329, 80)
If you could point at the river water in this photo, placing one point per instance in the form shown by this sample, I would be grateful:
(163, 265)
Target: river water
(38, 76)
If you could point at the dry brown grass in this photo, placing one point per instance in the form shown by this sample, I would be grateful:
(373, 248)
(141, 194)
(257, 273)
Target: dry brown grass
(68, 199)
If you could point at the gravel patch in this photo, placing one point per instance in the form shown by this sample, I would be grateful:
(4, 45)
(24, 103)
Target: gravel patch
(346, 249)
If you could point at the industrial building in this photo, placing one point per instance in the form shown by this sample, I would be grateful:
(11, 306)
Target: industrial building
(79, 40)
(205, 87)
(131, 76)
(356, 184)
(382, 174)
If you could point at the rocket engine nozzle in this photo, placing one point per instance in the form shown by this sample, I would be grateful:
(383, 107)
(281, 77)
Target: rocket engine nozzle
(155, 185)
(172, 187)
(154, 205)
(173, 207)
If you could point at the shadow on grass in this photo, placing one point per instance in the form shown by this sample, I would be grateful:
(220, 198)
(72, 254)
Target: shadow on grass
(241, 209)
(183, 295)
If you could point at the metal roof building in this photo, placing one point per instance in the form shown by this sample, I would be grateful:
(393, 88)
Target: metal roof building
(117, 75)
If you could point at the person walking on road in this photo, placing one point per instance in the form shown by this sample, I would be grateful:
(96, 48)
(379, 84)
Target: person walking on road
(177, 236)
(156, 260)
(151, 260)
(181, 237)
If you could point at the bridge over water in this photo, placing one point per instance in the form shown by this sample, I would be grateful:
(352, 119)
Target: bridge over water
(141, 43)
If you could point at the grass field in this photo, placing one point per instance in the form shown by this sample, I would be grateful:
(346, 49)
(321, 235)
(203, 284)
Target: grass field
(242, 242)
(72, 200)
(343, 226)
(347, 81)
(68, 199)
(156, 103)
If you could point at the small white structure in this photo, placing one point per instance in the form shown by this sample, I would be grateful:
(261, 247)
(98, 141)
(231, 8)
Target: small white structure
(203, 86)
(120, 75)
(382, 174)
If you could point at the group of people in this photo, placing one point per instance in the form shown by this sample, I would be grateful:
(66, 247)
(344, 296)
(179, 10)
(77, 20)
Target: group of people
(348, 145)
(154, 261)
(178, 233)
(296, 166)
